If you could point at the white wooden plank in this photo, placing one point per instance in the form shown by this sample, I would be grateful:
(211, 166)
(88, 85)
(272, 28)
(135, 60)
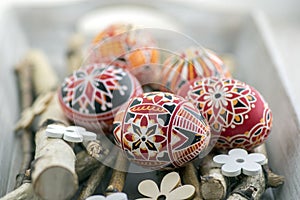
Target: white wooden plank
(259, 67)
(13, 46)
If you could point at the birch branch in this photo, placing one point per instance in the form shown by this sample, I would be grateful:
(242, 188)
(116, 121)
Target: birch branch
(273, 180)
(24, 192)
(189, 176)
(250, 188)
(23, 73)
(97, 176)
(213, 184)
(118, 177)
(44, 77)
(53, 172)
(85, 165)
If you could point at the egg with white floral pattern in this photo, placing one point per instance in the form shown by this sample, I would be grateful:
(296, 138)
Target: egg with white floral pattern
(93, 94)
(237, 113)
(160, 130)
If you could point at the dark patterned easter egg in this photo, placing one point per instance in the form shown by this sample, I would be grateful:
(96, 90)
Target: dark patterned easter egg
(233, 109)
(126, 46)
(160, 130)
(191, 64)
(92, 95)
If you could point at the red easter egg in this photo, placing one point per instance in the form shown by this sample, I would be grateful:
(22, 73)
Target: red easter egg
(92, 95)
(191, 64)
(160, 130)
(128, 47)
(234, 110)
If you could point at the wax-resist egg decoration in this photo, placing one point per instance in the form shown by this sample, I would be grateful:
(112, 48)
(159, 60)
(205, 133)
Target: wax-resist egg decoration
(234, 110)
(126, 46)
(191, 64)
(92, 95)
(159, 130)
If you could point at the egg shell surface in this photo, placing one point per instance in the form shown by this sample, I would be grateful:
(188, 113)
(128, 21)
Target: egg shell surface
(160, 130)
(234, 110)
(92, 95)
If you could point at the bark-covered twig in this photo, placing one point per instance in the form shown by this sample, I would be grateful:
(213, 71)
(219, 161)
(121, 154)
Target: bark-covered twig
(27, 149)
(97, 175)
(250, 188)
(189, 176)
(25, 87)
(213, 184)
(92, 183)
(28, 115)
(43, 76)
(85, 165)
(118, 177)
(24, 192)
(98, 149)
(273, 180)
(53, 172)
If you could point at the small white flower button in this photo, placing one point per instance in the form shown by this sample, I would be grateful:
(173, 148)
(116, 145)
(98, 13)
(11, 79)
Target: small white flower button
(169, 189)
(71, 133)
(96, 197)
(55, 131)
(239, 161)
(114, 196)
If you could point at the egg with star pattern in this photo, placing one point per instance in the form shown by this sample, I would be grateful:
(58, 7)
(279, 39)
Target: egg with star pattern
(160, 130)
(92, 95)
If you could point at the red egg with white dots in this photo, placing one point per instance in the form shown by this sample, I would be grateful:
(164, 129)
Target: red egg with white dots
(235, 111)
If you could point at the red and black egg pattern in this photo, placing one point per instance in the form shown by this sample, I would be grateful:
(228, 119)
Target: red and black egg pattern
(234, 110)
(92, 95)
(160, 130)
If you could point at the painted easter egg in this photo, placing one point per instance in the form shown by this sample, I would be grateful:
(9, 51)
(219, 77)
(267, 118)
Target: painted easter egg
(92, 95)
(126, 46)
(160, 130)
(234, 110)
(191, 64)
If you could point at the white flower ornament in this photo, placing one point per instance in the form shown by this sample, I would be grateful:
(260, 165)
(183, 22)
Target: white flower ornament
(70, 133)
(239, 161)
(169, 189)
(114, 196)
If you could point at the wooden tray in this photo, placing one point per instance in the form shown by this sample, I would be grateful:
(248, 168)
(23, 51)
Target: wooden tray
(246, 36)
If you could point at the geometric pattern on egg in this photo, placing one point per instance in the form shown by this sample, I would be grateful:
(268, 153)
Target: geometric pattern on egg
(193, 63)
(160, 130)
(234, 110)
(92, 95)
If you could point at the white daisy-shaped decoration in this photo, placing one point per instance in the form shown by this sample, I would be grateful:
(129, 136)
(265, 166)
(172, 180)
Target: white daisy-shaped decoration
(114, 196)
(70, 134)
(170, 189)
(239, 161)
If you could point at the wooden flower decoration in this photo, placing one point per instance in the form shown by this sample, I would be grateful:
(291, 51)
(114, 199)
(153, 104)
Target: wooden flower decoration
(69, 134)
(239, 161)
(170, 189)
(114, 196)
